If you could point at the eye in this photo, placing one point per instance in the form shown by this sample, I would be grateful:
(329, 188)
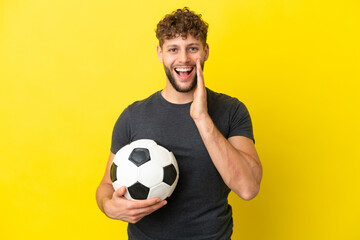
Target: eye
(193, 49)
(172, 50)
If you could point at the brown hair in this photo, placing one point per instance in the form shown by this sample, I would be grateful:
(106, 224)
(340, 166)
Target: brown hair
(181, 23)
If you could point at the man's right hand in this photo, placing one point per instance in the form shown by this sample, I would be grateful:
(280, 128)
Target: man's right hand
(131, 211)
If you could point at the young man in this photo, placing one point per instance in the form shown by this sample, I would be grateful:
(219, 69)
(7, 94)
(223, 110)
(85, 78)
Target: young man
(209, 133)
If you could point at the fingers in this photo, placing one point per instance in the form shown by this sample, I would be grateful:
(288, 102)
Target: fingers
(148, 209)
(140, 206)
(139, 209)
(199, 73)
(145, 203)
(198, 66)
(130, 210)
(120, 192)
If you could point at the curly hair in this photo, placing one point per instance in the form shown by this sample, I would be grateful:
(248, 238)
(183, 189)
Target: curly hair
(181, 23)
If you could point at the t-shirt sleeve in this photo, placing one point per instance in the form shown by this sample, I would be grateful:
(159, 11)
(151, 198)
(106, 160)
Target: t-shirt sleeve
(241, 124)
(121, 132)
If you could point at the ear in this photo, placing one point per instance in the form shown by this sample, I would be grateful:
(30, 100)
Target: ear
(206, 49)
(159, 53)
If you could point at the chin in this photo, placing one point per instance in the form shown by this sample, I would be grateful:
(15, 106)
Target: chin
(180, 85)
(184, 88)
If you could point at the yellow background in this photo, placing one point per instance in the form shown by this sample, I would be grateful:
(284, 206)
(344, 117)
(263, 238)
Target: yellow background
(68, 69)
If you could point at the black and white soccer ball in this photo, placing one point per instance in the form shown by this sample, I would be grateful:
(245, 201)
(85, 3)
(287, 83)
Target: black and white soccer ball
(146, 169)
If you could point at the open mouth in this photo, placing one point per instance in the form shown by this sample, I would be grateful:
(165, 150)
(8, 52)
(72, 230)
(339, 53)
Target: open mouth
(184, 72)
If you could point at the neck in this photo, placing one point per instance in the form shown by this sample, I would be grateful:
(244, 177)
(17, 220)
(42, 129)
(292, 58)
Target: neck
(173, 96)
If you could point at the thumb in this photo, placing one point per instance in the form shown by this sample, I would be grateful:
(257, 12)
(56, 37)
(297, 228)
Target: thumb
(120, 192)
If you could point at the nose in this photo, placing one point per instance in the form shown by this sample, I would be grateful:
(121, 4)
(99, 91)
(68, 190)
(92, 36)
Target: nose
(184, 57)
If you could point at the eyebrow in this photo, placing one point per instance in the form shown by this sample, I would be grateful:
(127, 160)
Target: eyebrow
(171, 46)
(194, 44)
(175, 45)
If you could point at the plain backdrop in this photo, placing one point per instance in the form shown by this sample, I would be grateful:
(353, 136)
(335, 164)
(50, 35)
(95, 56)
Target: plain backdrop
(69, 67)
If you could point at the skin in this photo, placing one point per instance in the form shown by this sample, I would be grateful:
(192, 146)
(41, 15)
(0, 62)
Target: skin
(179, 52)
(235, 158)
(116, 206)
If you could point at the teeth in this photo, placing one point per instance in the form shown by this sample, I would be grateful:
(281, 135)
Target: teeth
(183, 69)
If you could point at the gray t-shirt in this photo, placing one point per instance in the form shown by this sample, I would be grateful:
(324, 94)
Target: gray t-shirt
(198, 208)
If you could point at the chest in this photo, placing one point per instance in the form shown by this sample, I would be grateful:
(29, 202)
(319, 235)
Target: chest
(175, 130)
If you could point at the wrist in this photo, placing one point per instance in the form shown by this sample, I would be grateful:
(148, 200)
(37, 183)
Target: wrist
(202, 117)
(106, 206)
(204, 122)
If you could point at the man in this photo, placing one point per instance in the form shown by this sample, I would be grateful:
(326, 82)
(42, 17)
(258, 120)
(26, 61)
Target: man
(209, 133)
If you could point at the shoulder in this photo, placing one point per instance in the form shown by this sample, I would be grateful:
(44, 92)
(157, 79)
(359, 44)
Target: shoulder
(144, 103)
(229, 115)
(217, 100)
(137, 107)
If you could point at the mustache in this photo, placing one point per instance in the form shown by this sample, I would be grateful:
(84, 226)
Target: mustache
(184, 65)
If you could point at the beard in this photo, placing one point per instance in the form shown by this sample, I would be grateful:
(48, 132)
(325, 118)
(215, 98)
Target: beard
(176, 85)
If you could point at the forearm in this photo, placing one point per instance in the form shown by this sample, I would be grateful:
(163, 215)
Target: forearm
(104, 192)
(240, 171)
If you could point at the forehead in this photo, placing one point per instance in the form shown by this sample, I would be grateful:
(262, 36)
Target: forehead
(179, 41)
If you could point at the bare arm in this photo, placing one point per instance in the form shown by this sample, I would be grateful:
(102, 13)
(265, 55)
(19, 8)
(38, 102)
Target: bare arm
(116, 206)
(235, 158)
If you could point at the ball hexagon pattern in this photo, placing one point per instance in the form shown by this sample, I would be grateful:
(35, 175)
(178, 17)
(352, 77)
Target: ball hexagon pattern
(146, 169)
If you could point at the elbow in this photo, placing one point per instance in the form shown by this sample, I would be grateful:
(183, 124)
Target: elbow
(249, 193)
(248, 196)
(251, 189)
(247, 188)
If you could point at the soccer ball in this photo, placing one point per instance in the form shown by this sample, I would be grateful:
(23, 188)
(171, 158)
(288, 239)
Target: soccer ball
(146, 169)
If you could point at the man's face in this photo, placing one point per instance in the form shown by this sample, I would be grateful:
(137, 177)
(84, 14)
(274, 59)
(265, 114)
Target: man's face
(179, 56)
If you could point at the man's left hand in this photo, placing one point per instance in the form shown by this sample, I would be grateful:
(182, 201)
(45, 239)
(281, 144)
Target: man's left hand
(198, 109)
